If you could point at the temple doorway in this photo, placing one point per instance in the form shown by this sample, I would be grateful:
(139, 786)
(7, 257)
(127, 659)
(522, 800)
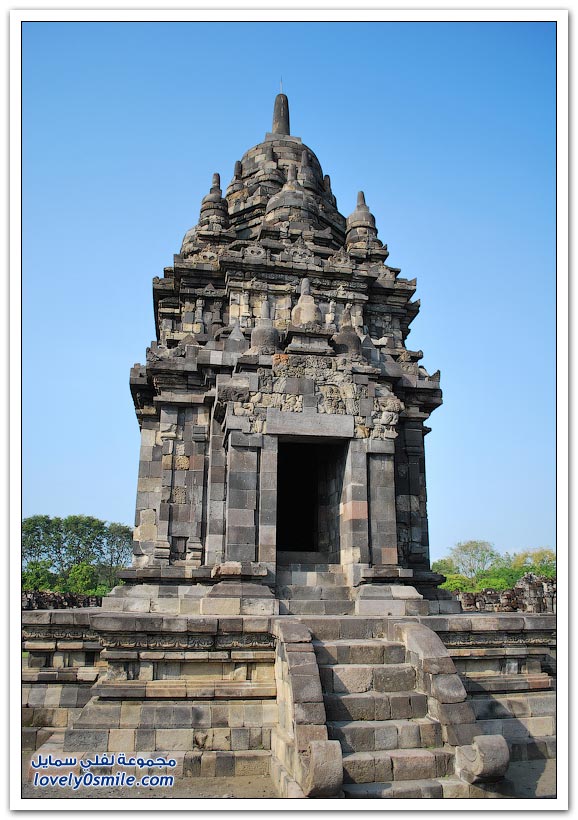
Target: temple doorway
(309, 487)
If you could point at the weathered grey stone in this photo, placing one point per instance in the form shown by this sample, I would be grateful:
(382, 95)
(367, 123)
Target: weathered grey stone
(447, 688)
(352, 678)
(394, 678)
(413, 764)
(486, 760)
(325, 769)
(306, 689)
(85, 740)
(309, 713)
(448, 713)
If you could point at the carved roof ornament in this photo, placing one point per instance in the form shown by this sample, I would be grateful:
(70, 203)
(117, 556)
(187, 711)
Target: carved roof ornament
(265, 339)
(254, 252)
(236, 341)
(340, 259)
(214, 209)
(305, 311)
(289, 201)
(205, 256)
(269, 176)
(213, 218)
(361, 232)
(264, 193)
(236, 184)
(300, 252)
(347, 342)
(306, 175)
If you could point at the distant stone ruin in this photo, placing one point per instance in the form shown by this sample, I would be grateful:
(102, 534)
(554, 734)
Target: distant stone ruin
(58, 600)
(531, 593)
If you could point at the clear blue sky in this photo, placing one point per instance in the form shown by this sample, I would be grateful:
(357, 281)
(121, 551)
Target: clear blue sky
(449, 128)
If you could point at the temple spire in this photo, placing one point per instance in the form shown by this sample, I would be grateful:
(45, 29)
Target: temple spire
(281, 115)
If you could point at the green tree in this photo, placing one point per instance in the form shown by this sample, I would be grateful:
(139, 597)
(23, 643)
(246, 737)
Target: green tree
(541, 561)
(475, 565)
(445, 566)
(37, 576)
(81, 579)
(116, 554)
(85, 539)
(458, 583)
(65, 543)
(497, 577)
(42, 539)
(472, 557)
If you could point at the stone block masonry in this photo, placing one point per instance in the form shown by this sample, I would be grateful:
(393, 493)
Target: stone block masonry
(280, 614)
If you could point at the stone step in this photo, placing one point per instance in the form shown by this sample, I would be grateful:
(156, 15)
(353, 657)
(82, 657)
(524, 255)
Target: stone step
(196, 763)
(316, 593)
(375, 706)
(199, 715)
(311, 579)
(350, 678)
(519, 682)
(226, 764)
(532, 748)
(515, 728)
(330, 628)
(334, 569)
(408, 789)
(526, 704)
(32, 737)
(292, 606)
(153, 738)
(397, 764)
(358, 651)
(82, 675)
(385, 735)
(185, 689)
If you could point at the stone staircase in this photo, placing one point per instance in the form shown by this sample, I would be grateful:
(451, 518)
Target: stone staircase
(526, 719)
(391, 748)
(313, 589)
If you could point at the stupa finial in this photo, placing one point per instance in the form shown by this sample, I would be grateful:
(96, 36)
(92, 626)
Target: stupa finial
(281, 115)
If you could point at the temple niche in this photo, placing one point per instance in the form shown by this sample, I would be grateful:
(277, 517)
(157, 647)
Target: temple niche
(282, 415)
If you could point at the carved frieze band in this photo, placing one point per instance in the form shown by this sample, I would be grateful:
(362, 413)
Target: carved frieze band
(132, 640)
(499, 639)
(51, 633)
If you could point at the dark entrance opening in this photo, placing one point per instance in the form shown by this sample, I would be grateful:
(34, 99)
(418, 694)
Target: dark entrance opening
(309, 484)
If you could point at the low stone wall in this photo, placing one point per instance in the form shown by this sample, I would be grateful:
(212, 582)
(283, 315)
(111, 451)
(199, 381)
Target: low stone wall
(305, 762)
(57, 600)
(531, 594)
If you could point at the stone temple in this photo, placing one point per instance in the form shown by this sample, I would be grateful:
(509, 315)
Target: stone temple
(280, 615)
(282, 414)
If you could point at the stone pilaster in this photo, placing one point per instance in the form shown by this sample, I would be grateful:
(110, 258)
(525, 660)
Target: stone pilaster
(412, 503)
(243, 458)
(215, 538)
(382, 517)
(148, 501)
(267, 540)
(353, 509)
(196, 483)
